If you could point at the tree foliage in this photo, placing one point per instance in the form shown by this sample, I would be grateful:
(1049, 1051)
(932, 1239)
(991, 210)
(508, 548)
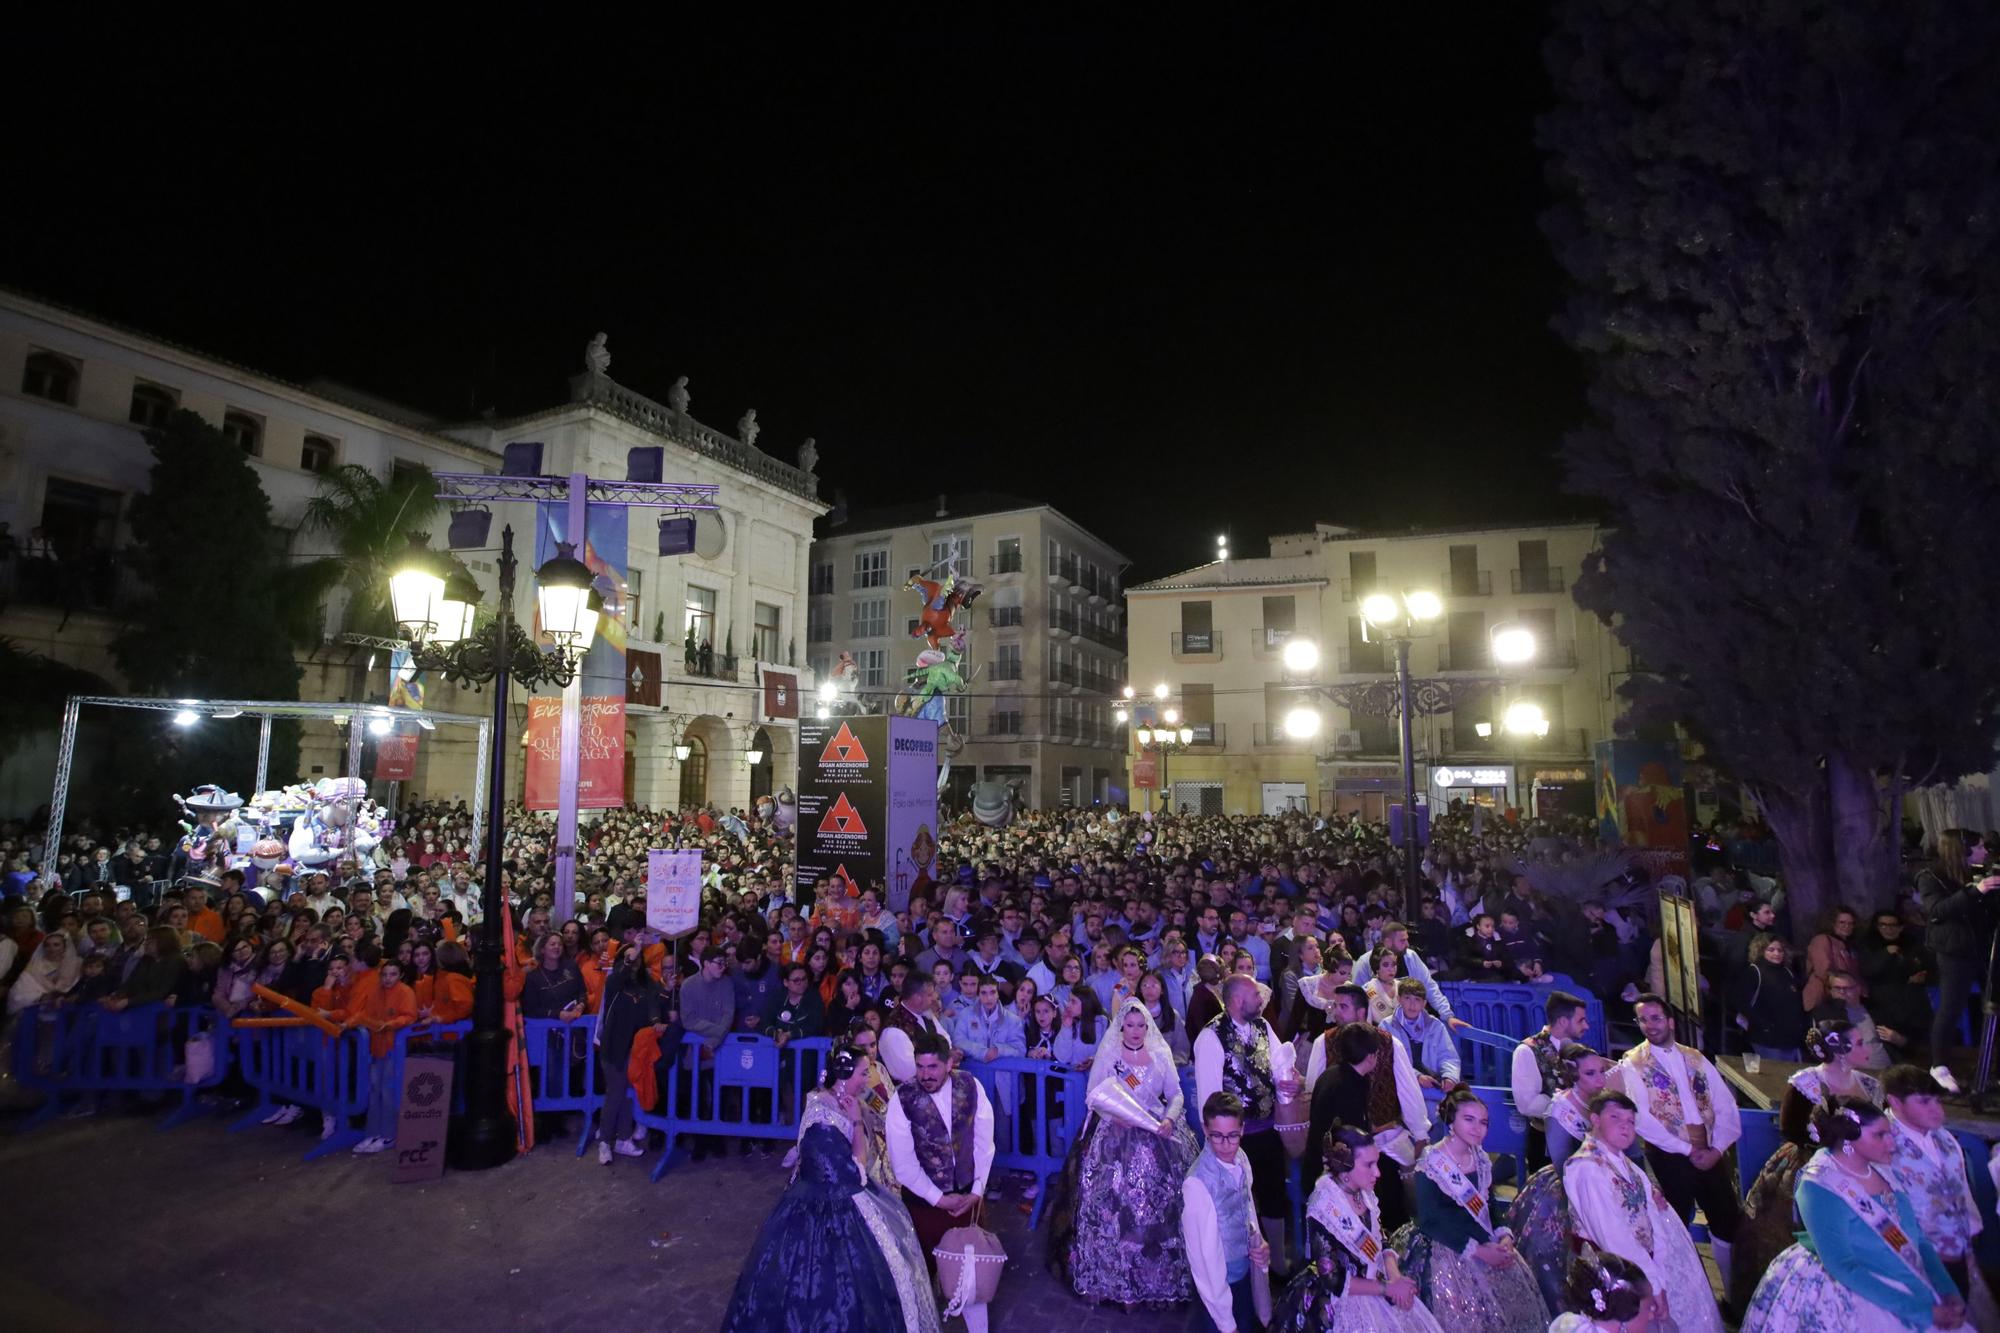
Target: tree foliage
(33, 689)
(370, 522)
(220, 616)
(1778, 218)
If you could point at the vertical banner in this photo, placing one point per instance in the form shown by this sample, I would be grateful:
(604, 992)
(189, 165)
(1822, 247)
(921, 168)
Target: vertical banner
(673, 890)
(423, 1114)
(396, 757)
(781, 694)
(1641, 803)
(600, 780)
(843, 795)
(406, 683)
(913, 817)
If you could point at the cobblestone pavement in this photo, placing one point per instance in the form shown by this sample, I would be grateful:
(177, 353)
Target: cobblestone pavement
(115, 1226)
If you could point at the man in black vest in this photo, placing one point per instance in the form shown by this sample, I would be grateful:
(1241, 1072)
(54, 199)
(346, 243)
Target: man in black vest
(940, 1131)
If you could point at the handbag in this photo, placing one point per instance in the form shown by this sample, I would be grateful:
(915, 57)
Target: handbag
(969, 1260)
(200, 1058)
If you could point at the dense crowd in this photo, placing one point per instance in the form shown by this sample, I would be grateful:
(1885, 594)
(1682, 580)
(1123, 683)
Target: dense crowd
(1091, 939)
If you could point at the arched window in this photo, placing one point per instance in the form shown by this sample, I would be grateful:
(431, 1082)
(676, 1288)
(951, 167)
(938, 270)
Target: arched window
(694, 771)
(244, 430)
(50, 376)
(316, 454)
(151, 405)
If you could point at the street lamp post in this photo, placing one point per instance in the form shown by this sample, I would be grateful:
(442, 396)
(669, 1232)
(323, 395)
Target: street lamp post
(437, 613)
(1397, 621)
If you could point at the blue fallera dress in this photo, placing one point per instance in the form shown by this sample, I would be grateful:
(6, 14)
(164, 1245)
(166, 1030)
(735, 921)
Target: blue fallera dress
(837, 1255)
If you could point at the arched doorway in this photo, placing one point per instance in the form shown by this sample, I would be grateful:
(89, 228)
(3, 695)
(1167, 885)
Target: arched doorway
(760, 772)
(694, 771)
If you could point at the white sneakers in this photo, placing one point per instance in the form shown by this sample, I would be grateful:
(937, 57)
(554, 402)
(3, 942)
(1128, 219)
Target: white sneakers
(285, 1115)
(627, 1148)
(603, 1153)
(327, 1124)
(371, 1145)
(1944, 1078)
(277, 1116)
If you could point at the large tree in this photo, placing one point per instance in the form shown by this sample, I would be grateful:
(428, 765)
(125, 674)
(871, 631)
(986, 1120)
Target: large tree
(370, 522)
(222, 615)
(1778, 218)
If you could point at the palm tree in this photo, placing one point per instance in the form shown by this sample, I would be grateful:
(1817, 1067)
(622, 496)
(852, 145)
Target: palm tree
(371, 522)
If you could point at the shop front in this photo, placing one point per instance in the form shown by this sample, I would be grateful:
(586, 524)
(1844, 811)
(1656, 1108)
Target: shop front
(1490, 785)
(1555, 792)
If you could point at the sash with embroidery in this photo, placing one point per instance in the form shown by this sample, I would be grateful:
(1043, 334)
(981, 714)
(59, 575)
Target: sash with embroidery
(1360, 1237)
(1811, 1083)
(1877, 1211)
(1628, 1187)
(1573, 1118)
(1663, 1097)
(1469, 1193)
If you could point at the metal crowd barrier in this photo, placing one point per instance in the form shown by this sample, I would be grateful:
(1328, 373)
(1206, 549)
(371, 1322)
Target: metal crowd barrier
(1518, 1011)
(563, 1066)
(750, 1087)
(305, 1067)
(74, 1050)
(1038, 1110)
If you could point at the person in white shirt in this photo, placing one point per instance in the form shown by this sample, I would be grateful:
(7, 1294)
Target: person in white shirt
(1688, 1118)
(1240, 1054)
(1219, 1224)
(905, 1023)
(1536, 1074)
(1396, 940)
(940, 1132)
(1350, 1005)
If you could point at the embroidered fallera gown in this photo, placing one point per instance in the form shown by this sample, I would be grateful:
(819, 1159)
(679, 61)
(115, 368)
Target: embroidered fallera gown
(1615, 1206)
(1344, 1240)
(823, 1108)
(1769, 1218)
(1864, 1265)
(1454, 1213)
(837, 1255)
(1115, 1218)
(1540, 1214)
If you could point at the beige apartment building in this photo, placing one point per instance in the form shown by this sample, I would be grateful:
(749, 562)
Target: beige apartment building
(1215, 636)
(1047, 651)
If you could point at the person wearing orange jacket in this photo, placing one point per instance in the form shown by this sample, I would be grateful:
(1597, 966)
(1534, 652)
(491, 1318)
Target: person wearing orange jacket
(383, 1008)
(446, 995)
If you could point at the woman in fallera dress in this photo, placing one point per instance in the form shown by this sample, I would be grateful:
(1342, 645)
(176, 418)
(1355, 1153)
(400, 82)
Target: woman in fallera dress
(837, 1255)
(1617, 1208)
(1459, 1252)
(1540, 1212)
(845, 1103)
(1614, 1292)
(1116, 1229)
(1351, 1282)
(1865, 1265)
(1769, 1219)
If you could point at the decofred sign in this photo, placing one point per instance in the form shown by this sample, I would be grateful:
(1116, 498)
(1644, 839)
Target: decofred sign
(1471, 777)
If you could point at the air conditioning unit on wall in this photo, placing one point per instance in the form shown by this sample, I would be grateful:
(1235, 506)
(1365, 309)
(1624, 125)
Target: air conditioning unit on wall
(1347, 742)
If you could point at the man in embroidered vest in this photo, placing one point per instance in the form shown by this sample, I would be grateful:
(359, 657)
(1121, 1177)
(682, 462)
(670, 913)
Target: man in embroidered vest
(1218, 1230)
(940, 1131)
(1238, 1053)
(1395, 1097)
(1929, 1166)
(910, 1019)
(1536, 1062)
(1688, 1118)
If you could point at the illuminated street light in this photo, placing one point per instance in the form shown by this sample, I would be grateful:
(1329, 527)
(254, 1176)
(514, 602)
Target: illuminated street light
(1301, 656)
(1302, 724)
(1513, 644)
(1379, 608)
(1160, 690)
(186, 717)
(1525, 718)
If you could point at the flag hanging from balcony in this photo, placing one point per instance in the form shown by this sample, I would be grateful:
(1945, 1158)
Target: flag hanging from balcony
(600, 770)
(406, 683)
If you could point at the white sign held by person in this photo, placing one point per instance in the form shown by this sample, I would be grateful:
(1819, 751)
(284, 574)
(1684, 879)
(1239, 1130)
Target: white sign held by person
(673, 890)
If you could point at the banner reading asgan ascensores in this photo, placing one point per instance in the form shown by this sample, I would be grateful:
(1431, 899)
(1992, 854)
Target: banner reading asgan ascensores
(600, 774)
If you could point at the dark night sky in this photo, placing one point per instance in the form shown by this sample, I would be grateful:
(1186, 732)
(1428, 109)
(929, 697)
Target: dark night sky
(1172, 278)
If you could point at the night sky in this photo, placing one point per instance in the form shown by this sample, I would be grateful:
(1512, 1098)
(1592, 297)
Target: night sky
(1174, 279)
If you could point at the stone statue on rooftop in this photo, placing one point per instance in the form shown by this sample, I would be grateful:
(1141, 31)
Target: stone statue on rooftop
(677, 397)
(808, 456)
(747, 428)
(597, 356)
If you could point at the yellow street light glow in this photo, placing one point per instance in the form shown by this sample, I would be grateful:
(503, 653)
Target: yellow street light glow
(1379, 608)
(1301, 655)
(1160, 690)
(1513, 644)
(1302, 724)
(1170, 716)
(1423, 604)
(1525, 719)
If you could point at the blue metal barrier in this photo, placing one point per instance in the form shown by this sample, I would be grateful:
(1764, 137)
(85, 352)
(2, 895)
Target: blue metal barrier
(1506, 1129)
(304, 1066)
(692, 1098)
(1759, 1140)
(563, 1065)
(75, 1050)
(1038, 1110)
(1517, 1011)
(1485, 1059)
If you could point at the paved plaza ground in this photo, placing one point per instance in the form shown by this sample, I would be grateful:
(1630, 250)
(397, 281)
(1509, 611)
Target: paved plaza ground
(116, 1226)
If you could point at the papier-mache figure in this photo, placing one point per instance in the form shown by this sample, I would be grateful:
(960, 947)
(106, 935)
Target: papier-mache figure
(205, 809)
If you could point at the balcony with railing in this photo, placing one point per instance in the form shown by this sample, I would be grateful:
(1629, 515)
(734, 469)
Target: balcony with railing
(1272, 736)
(1203, 645)
(1010, 670)
(1502, 744)
(1064, 622)
(1467, 583)
(1266, 641)
(1465, 656)
(1006, 562)
(1097, 682)
(1004, 617)
(1067, 571)
(1104, 636)
(1063, 674)
(1544, 579)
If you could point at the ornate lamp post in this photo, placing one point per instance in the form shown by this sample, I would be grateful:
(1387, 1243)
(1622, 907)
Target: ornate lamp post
(437, 612)
(1168, 737)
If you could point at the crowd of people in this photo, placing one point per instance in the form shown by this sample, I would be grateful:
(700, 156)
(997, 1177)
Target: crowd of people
(1271, 959)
